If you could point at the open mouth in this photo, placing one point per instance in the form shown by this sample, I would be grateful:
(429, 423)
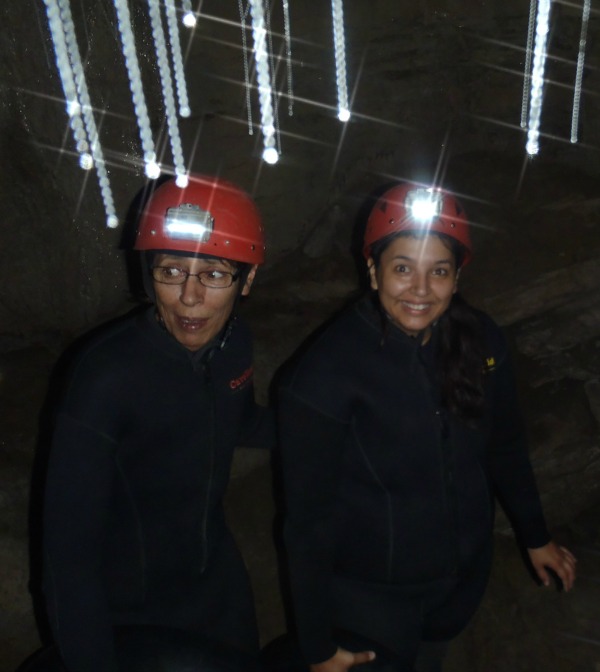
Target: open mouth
(416, 307)
(191, 324)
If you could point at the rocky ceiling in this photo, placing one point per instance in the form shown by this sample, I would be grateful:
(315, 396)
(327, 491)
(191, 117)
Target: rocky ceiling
(436, 90)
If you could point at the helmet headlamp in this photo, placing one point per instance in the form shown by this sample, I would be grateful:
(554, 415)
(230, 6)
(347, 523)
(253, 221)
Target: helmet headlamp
(207, 216)
(407, 207)
(423, 205)
(189, 222)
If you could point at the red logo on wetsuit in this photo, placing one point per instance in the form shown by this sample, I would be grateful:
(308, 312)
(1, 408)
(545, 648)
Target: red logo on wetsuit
(236, 383)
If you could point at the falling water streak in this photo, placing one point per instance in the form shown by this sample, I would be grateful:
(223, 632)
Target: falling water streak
(43, 34)
(189, 18)
(176, 54)
(265, 91)
(338, 152)
(68, 83)
(585, 18)
(114, 222)
(167, 87)
(277, 95)
(276, 62)
(73, 106)
(345, 126)
(57, 30)
(339, 41)
(135, 84)
(527, 73)
(243, 14)
(273, 71)
(88, 116)
(537, 76)
(288, 56)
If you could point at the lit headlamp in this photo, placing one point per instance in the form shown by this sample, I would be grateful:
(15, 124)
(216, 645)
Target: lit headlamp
(423, 205)
(189, 222)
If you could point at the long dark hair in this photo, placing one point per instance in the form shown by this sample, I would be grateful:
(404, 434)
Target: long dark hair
(460, 354)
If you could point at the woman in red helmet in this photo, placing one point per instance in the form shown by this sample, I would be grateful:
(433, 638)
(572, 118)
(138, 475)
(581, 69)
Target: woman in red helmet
(134, 528)
(398, 424)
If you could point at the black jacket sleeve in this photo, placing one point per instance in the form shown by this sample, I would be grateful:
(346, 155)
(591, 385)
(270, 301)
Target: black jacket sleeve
(78, 487)
(311, 444)
(511, 468)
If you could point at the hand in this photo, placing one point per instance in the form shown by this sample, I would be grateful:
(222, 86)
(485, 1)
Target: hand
(343, 660)
(557, 558)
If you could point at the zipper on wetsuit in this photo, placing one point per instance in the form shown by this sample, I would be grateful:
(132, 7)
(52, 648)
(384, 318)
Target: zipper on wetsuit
(212, 447)
(222, 342)
(450, 485)
(427, 361)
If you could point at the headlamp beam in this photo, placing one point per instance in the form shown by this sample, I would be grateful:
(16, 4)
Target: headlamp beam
(189, 222)
(423, 205)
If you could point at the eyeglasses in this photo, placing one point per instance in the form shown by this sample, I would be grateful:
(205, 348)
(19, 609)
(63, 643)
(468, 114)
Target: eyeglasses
(215, 279)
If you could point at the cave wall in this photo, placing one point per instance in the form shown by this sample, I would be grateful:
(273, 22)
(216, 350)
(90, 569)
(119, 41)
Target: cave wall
(436, 89)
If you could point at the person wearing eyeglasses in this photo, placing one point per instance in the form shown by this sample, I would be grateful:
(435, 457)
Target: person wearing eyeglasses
(398, 424)
(153, 407)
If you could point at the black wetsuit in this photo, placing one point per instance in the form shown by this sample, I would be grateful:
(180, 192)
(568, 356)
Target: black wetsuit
(390, 503)
(134, 529)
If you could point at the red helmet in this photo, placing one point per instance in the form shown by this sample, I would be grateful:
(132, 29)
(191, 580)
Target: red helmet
(409, 207)
(209, 216)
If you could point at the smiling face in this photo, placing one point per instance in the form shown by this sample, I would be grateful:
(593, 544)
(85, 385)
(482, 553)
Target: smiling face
(192, 313)
(415, 280)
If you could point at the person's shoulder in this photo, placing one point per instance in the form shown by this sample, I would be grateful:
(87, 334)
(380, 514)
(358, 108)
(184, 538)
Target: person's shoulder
(494, 338)
(332, 337)
(95, 363)
(110, 342)
(111, 334)
(328, 351)
(489, 325)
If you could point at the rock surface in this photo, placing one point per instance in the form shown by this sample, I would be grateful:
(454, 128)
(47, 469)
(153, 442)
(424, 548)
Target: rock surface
(436, 89)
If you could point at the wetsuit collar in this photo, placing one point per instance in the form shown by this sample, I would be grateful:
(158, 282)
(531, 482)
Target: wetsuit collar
(378, 317)
(169, 344)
